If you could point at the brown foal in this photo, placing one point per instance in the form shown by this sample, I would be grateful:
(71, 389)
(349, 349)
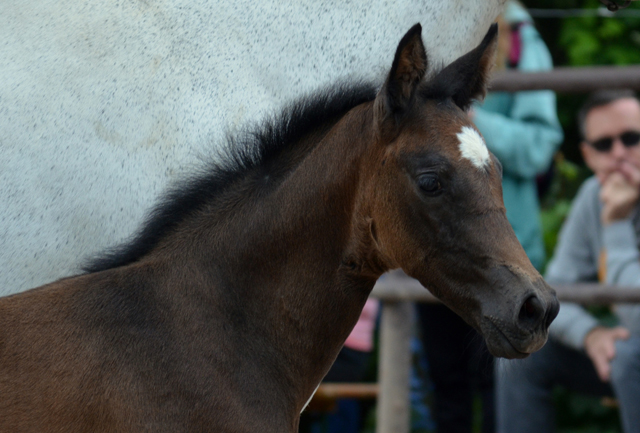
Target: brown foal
(230, 305)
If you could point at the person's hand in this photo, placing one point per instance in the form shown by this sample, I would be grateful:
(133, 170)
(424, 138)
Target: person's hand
(619, 193)
(600, 344)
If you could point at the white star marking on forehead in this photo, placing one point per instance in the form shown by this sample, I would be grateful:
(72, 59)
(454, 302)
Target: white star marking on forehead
(472, 147)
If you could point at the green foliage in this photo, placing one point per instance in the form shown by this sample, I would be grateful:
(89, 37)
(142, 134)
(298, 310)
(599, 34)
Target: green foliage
(600, 40)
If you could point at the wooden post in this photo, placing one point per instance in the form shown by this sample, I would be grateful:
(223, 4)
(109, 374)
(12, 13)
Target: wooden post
(394, 409)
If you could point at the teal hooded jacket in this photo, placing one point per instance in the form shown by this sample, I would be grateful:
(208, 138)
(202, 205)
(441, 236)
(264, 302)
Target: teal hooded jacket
(522, 130)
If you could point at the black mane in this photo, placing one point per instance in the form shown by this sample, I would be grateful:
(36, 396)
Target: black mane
(259, 149)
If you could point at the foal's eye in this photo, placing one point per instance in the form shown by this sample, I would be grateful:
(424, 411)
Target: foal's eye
(430, 184)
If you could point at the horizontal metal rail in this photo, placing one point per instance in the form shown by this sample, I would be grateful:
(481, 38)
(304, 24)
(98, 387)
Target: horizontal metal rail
(396, 287)
(569, 79)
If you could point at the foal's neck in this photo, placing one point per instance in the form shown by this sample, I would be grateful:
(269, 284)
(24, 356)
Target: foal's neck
(288, 255)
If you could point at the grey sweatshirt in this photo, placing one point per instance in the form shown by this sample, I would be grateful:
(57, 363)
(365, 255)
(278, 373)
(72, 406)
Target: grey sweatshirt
(576, 259)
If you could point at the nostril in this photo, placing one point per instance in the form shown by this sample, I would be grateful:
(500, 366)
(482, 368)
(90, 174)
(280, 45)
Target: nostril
(529, 308)
(531, 312)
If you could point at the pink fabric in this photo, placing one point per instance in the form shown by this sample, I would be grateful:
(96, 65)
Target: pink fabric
(516, 46)
(361, 338)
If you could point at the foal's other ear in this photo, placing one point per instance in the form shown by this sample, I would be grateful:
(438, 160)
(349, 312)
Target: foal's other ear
(466, 78)
(408, 69)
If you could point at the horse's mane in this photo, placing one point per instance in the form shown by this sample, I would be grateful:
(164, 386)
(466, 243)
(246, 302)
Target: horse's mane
(261, 148)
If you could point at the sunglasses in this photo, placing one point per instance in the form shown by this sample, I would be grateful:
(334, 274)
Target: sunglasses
(628, 139)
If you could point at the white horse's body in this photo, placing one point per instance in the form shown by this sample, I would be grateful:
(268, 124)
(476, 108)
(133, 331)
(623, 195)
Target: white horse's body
(103, 104)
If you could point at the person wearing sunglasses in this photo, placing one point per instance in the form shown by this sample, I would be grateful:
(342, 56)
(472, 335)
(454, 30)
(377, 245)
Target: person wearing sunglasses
(599, 241)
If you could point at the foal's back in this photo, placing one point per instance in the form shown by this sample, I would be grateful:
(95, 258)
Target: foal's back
(120, 362)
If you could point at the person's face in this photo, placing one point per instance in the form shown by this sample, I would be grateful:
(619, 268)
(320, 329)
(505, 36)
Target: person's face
(611, 120)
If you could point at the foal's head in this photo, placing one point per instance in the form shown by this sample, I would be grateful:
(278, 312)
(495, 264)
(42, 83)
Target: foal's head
(436, 200)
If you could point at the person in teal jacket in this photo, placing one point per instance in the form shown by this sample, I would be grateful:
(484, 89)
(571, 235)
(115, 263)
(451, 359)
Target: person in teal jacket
(523, 132)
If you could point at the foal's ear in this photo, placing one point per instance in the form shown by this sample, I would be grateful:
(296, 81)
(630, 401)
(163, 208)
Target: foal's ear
(466, 78)
(408, 69)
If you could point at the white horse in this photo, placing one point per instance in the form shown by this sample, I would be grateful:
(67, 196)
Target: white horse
(103, 104)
